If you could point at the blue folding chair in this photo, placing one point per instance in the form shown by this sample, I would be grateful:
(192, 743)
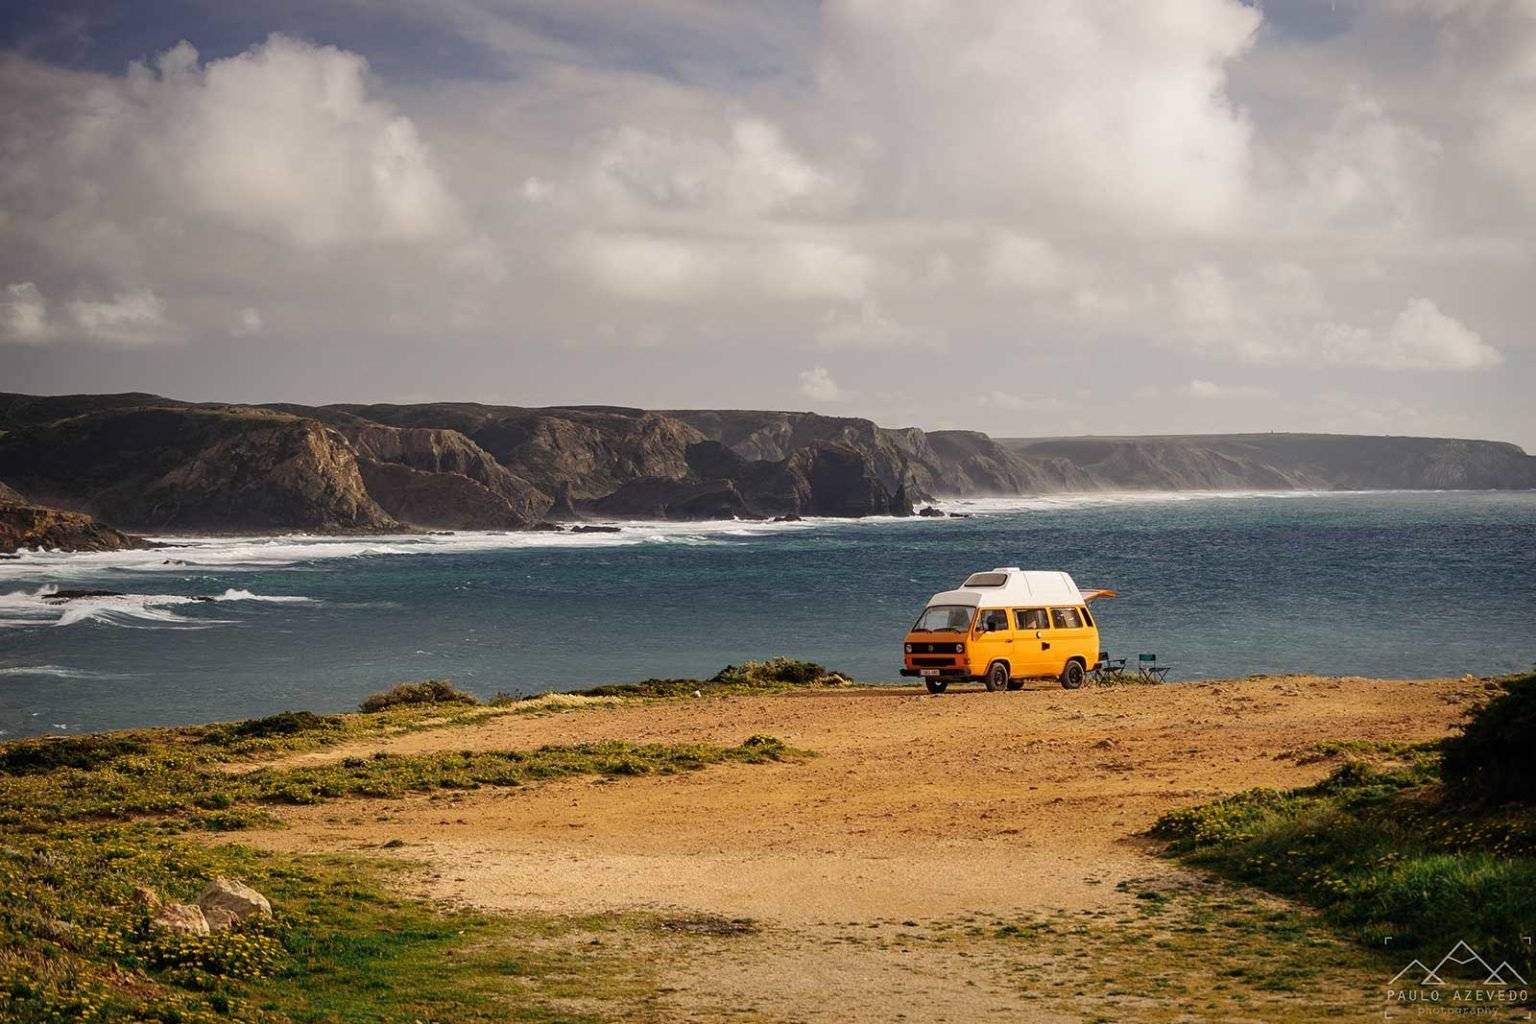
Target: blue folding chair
(1150, 670)
(1107, 669)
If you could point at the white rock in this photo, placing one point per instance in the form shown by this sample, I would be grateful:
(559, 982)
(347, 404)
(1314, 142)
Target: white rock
(234, 897)
(180, 917)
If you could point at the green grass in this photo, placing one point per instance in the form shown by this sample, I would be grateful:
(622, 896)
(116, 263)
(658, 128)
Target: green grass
(85, 821)
(164, 781)
(1382, 851)
(342, 947)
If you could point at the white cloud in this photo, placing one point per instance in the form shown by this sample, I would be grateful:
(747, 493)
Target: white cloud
(127, 318)
(1008, 400)
(1018, 261)
(283, 139)
(247, 322)
(751, 172)
(1113, 110)
(24, 314)
(1419, 338)
(867, 325)
(1426, 338)
(681, 268)
(645, 267)
(1210, 390)
(1366, 169)
(817, 384)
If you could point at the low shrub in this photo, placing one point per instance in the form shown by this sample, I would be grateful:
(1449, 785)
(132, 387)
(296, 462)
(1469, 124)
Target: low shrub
(284, 724)
(26, 757)
(425, 691)
(1493, 758)
(779, 671)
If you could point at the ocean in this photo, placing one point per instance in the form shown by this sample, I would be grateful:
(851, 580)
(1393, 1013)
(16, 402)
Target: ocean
(1390, 584)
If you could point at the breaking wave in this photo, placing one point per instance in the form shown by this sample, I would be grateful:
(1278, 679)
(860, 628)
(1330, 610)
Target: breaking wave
(45, 607)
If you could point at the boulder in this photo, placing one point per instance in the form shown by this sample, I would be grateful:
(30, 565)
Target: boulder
(220, 919)
(180, 917)
(236, 899)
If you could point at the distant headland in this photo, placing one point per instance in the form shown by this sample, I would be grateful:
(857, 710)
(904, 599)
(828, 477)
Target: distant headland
(140, 461)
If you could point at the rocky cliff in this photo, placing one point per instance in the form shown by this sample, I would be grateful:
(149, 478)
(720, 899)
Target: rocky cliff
(193, 467)
(33, 526)
(1280, 462)
(143, 461)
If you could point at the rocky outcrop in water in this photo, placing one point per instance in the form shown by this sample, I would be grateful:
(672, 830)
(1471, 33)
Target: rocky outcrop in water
(25, 526)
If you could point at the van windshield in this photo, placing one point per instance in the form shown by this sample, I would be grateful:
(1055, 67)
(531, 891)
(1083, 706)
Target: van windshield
(944, 618)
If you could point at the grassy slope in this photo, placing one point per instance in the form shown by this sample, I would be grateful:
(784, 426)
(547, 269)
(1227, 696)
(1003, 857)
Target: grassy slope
(87, 820)
(1385, 849)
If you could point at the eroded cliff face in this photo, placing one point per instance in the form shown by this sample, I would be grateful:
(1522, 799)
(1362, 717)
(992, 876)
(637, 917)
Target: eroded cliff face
(822, 478)
(435, 477)
(589, 452)
(139, 460)
(294, 473)
(24, 526)
(184, 467)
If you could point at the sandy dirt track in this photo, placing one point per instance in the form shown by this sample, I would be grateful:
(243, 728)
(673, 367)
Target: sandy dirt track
(916, 812)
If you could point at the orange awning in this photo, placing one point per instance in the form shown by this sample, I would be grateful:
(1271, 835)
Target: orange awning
(1089, 595)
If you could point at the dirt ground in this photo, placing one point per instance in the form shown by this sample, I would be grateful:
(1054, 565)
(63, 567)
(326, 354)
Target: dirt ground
(878, 873)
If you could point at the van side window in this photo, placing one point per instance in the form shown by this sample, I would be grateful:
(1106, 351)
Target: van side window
(995, 620)
(1066, 618)
(1031, 618)
(1087, 617)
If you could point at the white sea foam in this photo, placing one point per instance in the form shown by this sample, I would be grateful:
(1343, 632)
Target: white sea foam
(52, 671)
(1098, 499)
(287, 551)
(298, 551)
(131, 611)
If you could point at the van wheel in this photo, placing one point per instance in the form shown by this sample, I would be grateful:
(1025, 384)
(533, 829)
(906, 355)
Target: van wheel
(937, 685)
(997, 677)
(1072, 676)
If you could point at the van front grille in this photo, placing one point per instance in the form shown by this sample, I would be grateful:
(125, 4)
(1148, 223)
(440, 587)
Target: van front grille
(932, 662)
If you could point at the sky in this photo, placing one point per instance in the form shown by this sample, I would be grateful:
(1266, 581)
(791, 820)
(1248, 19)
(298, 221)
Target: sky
(1043, 218)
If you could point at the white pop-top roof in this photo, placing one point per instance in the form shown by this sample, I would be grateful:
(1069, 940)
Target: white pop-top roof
(1017, 587)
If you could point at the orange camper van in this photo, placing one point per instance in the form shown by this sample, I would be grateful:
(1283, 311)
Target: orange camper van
(1004, 626)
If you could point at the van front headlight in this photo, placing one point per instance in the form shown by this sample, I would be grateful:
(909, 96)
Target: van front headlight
(959, 648)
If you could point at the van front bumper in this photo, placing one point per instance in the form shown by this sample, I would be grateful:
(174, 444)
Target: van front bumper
(943, 673)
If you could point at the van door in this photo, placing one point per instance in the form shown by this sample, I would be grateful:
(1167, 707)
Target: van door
(1071, 635)
(992, 640)
(1032, 641)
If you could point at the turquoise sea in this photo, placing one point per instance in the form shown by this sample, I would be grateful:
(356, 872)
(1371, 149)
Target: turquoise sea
(1403, 584)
